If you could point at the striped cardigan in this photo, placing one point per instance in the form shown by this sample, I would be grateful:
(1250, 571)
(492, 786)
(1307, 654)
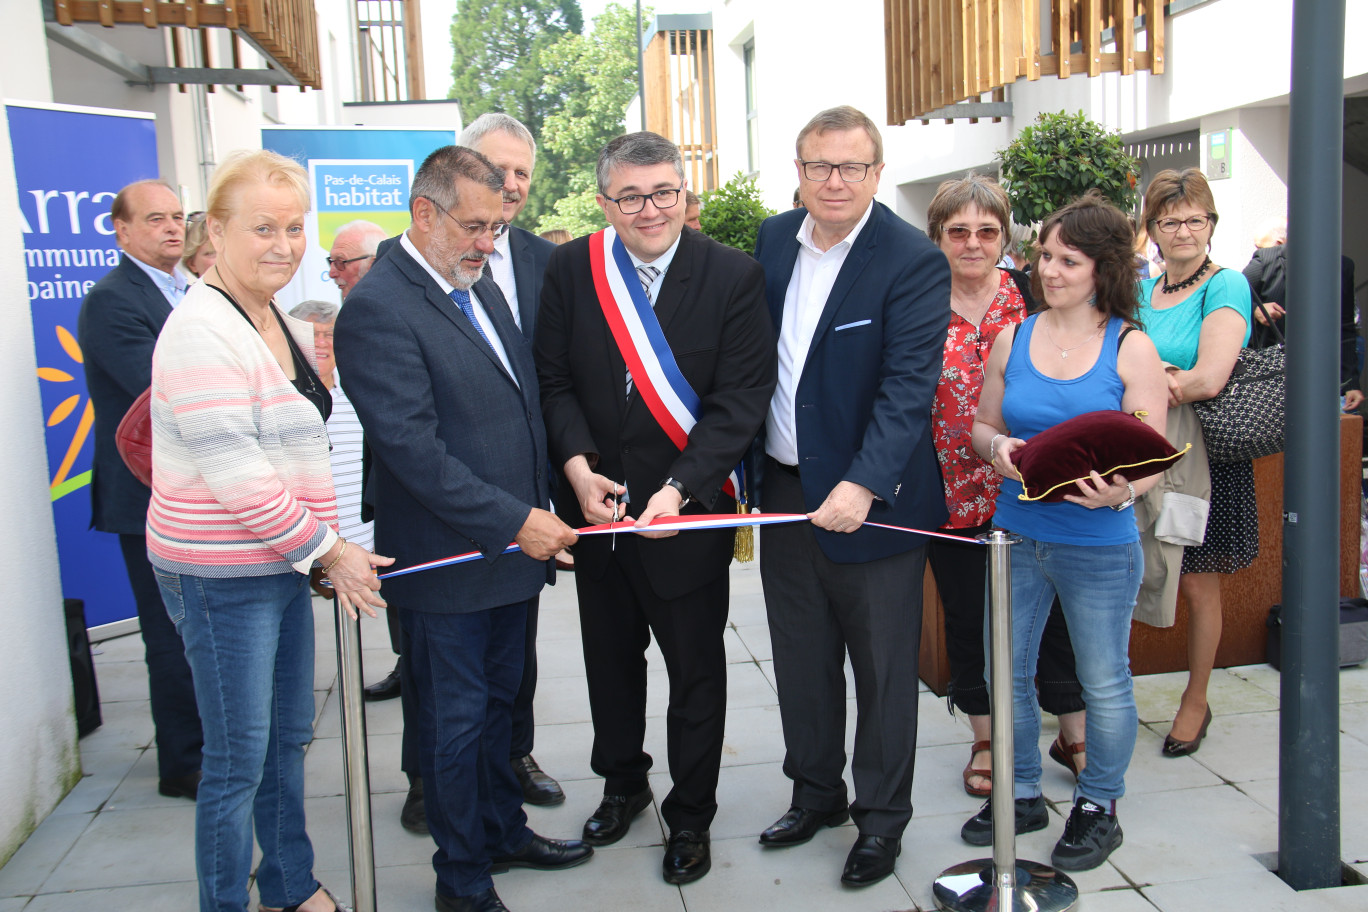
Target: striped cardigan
(241, 483)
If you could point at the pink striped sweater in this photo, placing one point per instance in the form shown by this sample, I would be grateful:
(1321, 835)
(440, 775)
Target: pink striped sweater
(241, 484)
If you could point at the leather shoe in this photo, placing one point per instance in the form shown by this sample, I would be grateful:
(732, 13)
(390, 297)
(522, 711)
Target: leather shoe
(614, 817)
(414, 815)
(387, 688)
(537, 787)
(543, 854)
(688, 856)
(488, 901)
(871, 859)
(800, 824)
(181, 786)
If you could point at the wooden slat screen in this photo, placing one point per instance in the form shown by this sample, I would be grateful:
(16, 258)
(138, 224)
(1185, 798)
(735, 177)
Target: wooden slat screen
(681, 99)
(943, 52)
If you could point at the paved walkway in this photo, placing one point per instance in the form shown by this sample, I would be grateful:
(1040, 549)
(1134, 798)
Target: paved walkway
(1200, 831)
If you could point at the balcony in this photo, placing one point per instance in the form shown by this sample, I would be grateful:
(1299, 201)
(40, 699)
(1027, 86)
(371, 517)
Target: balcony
(680, 97)
(944, 56)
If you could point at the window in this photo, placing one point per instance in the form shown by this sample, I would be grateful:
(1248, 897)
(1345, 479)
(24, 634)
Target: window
(752, 115)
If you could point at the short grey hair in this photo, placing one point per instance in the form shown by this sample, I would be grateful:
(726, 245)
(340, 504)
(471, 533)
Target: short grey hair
(325, 311)
(497, 121)
(369, 234)
(436, 177)
(839, 120)
(640, 150)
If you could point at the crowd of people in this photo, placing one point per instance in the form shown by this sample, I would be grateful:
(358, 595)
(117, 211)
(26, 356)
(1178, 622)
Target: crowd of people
(482, 385)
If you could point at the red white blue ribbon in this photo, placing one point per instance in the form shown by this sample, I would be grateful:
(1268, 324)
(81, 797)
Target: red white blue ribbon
(632, 321)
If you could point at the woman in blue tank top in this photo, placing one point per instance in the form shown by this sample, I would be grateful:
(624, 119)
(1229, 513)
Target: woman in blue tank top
(1076, 356)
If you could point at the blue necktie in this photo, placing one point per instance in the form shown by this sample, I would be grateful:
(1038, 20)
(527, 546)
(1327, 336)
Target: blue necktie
(462, 299)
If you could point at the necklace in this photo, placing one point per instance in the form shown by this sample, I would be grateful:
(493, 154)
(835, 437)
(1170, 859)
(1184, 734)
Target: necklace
(1189, 281)
(1064, 352)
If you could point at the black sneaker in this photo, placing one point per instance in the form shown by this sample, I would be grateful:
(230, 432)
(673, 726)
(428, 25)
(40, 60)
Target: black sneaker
(1031, 815)
(1090, 836)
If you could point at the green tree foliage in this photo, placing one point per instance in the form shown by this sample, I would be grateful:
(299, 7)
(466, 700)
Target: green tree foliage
(732, 213)
(596, 75)
(1058, 159)
(498, 48)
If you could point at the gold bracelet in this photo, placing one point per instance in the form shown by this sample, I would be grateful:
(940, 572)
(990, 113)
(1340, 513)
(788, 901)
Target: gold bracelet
(328, 569)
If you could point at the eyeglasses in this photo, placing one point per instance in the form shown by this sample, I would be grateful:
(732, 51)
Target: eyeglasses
(496, 230)
(633, 203)
(1170, 225)
(851, 172)
(338, 264)
(987, 233)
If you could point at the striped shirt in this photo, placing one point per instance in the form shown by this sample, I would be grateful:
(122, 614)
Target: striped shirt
(241, 483)
(344, 430)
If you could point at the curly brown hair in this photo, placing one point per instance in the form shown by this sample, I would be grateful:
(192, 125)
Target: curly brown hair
(1093, 225)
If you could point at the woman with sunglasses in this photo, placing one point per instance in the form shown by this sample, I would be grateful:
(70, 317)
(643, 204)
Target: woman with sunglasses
(969, 220)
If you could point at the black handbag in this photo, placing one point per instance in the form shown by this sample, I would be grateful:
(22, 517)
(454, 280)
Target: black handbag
(1244, 421)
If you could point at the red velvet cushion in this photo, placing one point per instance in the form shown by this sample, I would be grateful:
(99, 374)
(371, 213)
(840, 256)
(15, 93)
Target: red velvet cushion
(1109, 442)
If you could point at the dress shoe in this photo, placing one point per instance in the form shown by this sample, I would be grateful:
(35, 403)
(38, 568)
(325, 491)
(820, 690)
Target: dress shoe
(800, 824)
(488, 901)
(387, 688)
(614, 817)
(688, 856)
(543, 854)
(537, 787)
(414, 815)
(181, 786)
(871, 859)
(1175, 748)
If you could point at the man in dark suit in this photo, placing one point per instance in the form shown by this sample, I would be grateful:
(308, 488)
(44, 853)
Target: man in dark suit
(120, 320)
(446, 390)
(517, 266)
(860, 302)
(708, 302)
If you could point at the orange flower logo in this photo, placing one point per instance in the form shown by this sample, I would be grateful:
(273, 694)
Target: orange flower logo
(61, 484)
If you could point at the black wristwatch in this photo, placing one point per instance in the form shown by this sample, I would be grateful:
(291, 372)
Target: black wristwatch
(684, 497)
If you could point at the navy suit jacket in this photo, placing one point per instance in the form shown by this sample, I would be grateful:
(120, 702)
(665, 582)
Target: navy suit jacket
(863, 403)
(120, 320)
(459, 447)
(530, 255)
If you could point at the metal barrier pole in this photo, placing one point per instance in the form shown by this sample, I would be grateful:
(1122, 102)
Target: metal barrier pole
(1002, 883)
(355, 766)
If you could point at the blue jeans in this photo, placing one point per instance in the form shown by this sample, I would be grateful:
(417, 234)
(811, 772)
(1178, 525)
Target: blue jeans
(467, 668)
(250, 643)
(1097, 586)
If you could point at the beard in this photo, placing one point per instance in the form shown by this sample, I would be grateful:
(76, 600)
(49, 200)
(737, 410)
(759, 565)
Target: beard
(446, 259)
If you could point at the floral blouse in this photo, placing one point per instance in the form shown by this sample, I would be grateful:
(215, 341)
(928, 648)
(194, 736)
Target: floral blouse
(971, 485)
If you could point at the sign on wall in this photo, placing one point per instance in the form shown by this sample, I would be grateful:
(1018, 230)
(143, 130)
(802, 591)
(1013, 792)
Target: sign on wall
(69, 162)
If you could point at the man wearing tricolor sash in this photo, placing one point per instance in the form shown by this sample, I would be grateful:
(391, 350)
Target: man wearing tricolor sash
(656, 363)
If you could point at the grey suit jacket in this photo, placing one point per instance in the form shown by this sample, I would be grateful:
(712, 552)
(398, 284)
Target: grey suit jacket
(458, 444)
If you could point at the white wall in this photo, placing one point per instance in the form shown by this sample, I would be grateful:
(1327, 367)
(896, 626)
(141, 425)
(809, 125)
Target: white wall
(38, 755)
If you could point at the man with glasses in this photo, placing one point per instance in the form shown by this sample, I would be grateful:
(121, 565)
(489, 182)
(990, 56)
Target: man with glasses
(446, 390)
(352, 254)
(647, 441)
(861, 304)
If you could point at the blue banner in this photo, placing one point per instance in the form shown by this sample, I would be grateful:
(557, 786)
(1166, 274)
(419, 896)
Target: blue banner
(69, 163)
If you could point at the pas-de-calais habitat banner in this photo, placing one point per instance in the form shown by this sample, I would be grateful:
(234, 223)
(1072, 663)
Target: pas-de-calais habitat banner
(355, 173)
(69, 163)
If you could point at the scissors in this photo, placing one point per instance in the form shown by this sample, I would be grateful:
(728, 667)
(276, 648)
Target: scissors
(618, 504)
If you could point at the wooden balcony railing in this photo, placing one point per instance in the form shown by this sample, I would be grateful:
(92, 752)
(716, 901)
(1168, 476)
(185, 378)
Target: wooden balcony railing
(945, 52)
(284, 30)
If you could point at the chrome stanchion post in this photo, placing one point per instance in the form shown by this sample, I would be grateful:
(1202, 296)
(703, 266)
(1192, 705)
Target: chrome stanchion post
(355, 766)
(1002, 883)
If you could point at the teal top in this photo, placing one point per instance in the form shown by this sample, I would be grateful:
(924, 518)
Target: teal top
(1177, 330)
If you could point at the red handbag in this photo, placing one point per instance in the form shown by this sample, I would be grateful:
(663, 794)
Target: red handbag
(134, 437)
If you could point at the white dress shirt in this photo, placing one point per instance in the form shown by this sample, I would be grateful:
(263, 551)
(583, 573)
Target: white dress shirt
(481, 314)
(814, 274)
(661, 262)
(170, 284)
(501, 268)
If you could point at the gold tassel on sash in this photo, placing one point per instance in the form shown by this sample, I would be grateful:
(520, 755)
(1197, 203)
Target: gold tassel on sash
(744, 550)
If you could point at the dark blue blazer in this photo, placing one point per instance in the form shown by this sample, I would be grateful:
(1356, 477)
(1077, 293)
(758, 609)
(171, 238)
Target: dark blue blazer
(120, 320)
(863, 403)
(459, 447)
(530, 255)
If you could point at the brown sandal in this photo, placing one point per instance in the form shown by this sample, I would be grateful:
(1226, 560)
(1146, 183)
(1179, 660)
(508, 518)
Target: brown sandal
(1062, 752)
(970, 771)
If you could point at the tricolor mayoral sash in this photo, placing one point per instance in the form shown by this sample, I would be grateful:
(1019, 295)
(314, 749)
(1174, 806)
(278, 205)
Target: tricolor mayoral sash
(655, 373)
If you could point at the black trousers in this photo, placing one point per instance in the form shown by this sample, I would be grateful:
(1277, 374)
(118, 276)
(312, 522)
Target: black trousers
(961, 572)
(180, 740)
(819, 611)
(619, 612)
